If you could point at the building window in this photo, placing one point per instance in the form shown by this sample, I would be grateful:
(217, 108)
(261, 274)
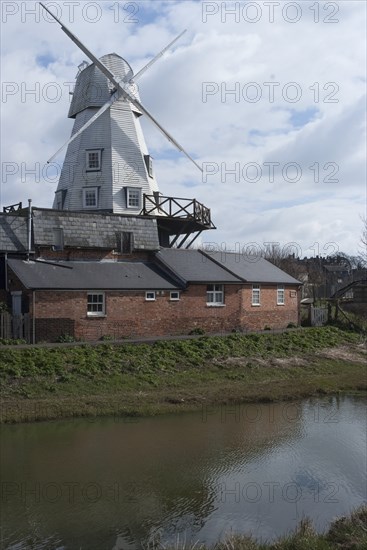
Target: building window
(58, 238)
(93, 160)
(149, 165)
(96, 304)
(125, 242)
(214, 295)
(255, 295)
(90, 197)
(150, 296)
(133, 197)
(174, 296)
(60, 199)
(280, 295)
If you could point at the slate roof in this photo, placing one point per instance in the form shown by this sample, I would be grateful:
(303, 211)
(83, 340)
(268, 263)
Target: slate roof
(192, 266)
(335, 268)
(252, 269)
(91, 275)
(88, 230)
(13, 233)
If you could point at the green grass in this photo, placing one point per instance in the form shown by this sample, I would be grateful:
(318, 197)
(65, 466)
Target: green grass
(175, 375)
(347, 533)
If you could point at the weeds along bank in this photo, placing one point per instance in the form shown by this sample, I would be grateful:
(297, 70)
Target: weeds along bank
(39, 383)
(345, 533)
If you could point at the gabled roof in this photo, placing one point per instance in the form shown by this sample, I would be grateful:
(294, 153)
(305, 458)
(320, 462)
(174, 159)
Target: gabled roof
(37, 275)
(192, 266)
(251, 269)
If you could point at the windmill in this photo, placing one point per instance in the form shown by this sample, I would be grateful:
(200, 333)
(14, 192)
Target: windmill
(107, 166)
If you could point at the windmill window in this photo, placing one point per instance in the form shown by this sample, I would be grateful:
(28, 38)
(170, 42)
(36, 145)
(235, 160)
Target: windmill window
(280, 295)
(150, 296)
(60, 199)
(149, 164)
(58, 238)
(93, 160)
(255, 295)
(133, 197)
(214, 295)
(125, 241)
(96, 304)
(90, 197)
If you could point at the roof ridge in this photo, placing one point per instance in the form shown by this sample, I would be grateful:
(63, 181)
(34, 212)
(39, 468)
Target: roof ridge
(222, 266)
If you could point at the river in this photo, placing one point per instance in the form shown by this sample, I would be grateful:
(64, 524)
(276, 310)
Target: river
(114, 483)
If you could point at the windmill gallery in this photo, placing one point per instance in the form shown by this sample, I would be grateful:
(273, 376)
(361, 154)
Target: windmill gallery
(112, 257)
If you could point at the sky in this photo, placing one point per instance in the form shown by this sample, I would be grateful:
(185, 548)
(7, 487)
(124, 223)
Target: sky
(267, 96)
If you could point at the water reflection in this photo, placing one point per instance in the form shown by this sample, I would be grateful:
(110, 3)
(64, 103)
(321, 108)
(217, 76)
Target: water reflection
(111, 484)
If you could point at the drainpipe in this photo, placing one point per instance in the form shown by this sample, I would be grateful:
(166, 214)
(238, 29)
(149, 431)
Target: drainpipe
(34, 317)
(6, 272)
(29, 245)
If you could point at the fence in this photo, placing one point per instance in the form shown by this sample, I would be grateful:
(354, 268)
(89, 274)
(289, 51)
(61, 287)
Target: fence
(15, 326)
(319, 316)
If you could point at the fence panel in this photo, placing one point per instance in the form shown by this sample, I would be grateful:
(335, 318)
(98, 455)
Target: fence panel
(15, 326)
(318, 316)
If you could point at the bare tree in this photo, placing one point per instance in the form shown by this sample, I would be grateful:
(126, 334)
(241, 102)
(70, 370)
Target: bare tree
(363, 240)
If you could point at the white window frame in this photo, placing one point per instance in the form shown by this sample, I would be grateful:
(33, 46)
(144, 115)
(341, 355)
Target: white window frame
(149, 165)
(214, 295)
(102, 312)
(131, 190)
(280, 295)
(150, 296)
(88, 190)
(256, 292)
(90, 168)
(175, 298)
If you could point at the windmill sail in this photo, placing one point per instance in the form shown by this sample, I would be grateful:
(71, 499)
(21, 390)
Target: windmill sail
(117, 83)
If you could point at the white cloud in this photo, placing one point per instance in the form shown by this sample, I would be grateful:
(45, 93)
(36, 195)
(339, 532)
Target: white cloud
(324, 60)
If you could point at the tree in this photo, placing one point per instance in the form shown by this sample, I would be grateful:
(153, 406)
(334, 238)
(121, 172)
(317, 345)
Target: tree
(363, 241)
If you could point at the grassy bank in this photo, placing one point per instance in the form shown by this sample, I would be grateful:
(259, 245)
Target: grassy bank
(347, 533)
(128, 380)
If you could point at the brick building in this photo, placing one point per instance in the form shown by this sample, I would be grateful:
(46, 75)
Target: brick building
(96, 275)
(113, 258)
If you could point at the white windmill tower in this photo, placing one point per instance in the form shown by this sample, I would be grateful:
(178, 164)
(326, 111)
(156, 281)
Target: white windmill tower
(107, 166)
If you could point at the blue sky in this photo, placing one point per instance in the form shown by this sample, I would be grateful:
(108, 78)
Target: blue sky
(323, 61)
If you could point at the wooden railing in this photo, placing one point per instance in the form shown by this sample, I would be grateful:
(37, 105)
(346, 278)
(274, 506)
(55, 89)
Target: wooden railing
(158, 205)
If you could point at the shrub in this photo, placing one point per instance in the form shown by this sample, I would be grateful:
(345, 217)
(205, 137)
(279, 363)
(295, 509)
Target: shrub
(66, 338)
(197, 330)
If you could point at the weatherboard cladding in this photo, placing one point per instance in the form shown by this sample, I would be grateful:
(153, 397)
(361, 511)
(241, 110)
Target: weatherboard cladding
(252, 269)
(88, 230)
(117, 133)
(92, 89)
(40, 275)
(74, 177)
(13, 233)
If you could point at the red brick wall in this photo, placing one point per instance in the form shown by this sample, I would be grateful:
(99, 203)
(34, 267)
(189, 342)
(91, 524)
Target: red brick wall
(268, 313)
(128, 314)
